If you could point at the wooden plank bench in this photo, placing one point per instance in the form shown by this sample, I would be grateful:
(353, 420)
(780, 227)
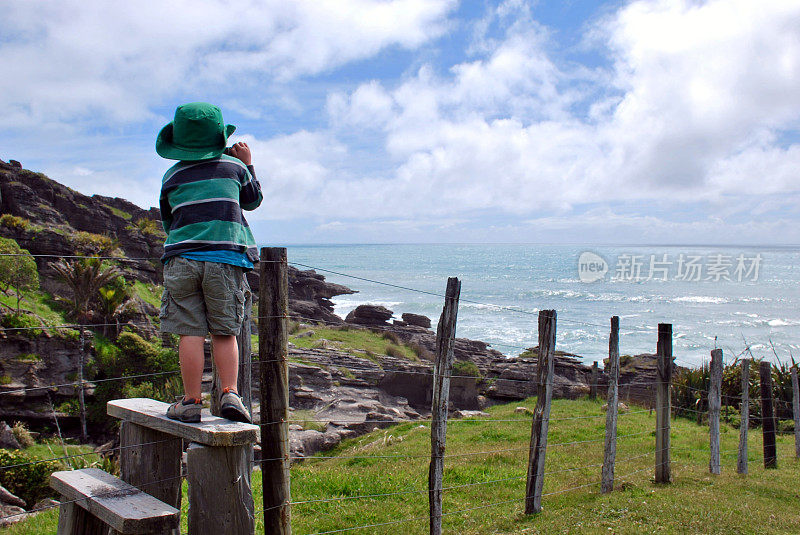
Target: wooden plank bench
(95, 500)
(218, 463)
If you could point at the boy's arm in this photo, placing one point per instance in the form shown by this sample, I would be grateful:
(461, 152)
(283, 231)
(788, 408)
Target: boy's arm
(166, 212)
(250, 196)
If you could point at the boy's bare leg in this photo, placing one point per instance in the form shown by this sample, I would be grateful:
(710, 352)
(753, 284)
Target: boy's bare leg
(226, 357)
(190, 352)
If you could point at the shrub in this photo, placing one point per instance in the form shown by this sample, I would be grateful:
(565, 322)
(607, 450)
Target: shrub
(23, 436)
(5, 379)
(785, 427)
(94, 243)
(14, 222)
(27, 324)
(395, 351)
(149, 227)
(466, 367)
(392, 337)
(30, 481)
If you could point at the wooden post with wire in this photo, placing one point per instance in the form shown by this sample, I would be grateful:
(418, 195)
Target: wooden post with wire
(595, 379)
(796, 411)
(664, 367)
(442, 369)
(744, 421)
(767, 415)
(610, 450)
(273, 350)
(714, 406)
(541, 415)
(82, 387)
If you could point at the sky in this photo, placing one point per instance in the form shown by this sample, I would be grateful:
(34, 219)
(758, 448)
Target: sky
(442, 121)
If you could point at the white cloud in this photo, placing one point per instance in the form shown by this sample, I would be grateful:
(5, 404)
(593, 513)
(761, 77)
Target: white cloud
(699, 95)
(116, 60)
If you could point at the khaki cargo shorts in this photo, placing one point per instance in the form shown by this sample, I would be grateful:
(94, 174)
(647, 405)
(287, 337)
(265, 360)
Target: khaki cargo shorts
(203, 297)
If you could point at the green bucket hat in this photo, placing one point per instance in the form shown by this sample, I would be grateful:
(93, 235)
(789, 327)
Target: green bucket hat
(197, 133)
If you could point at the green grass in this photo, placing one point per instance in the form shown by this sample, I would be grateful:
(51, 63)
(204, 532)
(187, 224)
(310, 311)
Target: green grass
(763, 502)
(354, 341)
(39, 302)
(149, 293)
(119, 213)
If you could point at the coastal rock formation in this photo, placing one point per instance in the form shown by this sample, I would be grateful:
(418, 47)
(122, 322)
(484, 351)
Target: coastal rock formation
(374, 315)
(55, 216)
(417, 320)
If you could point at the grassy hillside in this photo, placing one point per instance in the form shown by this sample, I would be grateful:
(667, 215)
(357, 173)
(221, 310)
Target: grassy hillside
(696, 502)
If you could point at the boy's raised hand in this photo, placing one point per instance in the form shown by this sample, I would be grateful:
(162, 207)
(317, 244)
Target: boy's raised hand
(240, 150)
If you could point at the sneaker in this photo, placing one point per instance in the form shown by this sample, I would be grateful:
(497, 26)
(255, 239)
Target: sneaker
(185, 410)
(232, 408)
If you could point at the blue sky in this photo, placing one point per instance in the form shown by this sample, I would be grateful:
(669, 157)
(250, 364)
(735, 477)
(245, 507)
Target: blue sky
(648, 121)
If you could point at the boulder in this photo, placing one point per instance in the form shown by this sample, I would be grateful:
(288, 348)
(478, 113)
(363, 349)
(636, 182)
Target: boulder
(372, 315)
(11, 514)
(417, 319)
(7, 439)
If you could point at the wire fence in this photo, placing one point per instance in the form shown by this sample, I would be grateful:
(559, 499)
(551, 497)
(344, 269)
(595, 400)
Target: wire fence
(354, 364)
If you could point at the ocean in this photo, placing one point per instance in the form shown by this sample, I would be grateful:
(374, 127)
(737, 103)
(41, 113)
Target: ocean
(729, 297)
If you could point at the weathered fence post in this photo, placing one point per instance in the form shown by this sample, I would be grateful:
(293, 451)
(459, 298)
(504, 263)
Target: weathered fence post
(244, 342)
(541, 415)
(160, 453)
(442, 369)
(767, 415)
(714, 406)
(273, 349)
(744, 421)
(595, 379)
(796, 411)
(610, 451)
(82, 388)
(663, 402)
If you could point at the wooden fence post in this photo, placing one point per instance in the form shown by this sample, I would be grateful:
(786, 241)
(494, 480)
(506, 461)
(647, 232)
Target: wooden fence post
(161, 453)
(744, 420)
(767, 415)
(541, 415)
(714, 406)
(663, 402)
(82, 388)
(442, 369)
(796, 411)
(595, 379)
(610, 451)
(273, 349)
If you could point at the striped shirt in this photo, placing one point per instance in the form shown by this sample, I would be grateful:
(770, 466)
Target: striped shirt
(201, 206)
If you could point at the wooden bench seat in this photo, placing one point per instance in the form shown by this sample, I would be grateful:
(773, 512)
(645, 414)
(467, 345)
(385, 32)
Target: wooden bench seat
(110, 500)
(211, 431)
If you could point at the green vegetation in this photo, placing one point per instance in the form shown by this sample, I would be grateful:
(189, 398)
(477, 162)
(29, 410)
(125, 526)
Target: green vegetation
(23, 436)
(695, 502)
(29, 481)
(307, 420)
(353, 341)
(5, 379)
(466, 367)
(85, 278)
(97, 244)
(28, 357)
(131, 355)
(148, 227)
(26, 324)
(14, 222)
(17, 271)
(149, 293)
(119, 213)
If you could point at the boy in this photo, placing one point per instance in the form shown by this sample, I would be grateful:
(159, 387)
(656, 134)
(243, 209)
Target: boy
(208, 250)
